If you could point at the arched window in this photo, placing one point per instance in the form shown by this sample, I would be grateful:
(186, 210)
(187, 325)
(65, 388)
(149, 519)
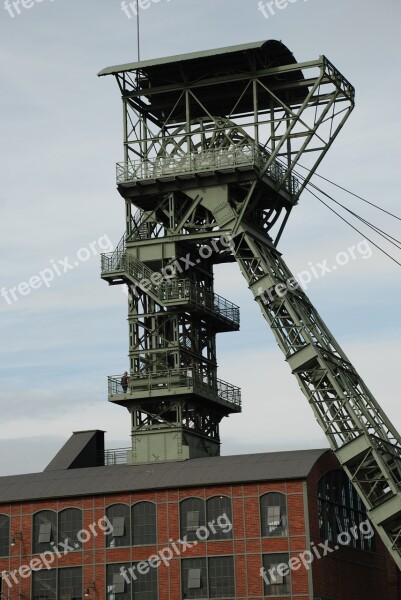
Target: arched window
(341, 511)
(144, 528)
(273, 514)
(52, 528)
(44, 531)
(120, 518)
(4, 535)
(219, 518)
(192, 516)
(69, 525)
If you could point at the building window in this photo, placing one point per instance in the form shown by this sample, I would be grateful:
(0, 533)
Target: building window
(69, 525)
(44, 531)
(208, 578)
(219, 512)
(275, 583)
(221, 577)
(340, 510)
(50, 528)
(140, 584)
(273, 514)
(116, 585)
(4, 535)
(44, 585)
(192, 516)
(144, 524)
(194, 578)
(145, 586)
(120, 518)
(70, 584)
(57, 584)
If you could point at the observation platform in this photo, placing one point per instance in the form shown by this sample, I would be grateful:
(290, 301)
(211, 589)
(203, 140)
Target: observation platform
(209, 167)
(176, 382)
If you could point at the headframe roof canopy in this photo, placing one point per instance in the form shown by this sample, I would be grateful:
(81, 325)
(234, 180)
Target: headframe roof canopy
(219, 77)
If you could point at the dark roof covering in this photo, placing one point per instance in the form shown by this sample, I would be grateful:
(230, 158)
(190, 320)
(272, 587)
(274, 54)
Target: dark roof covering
(81, 450)
(228, 68)
(130, 478)
(225, 53)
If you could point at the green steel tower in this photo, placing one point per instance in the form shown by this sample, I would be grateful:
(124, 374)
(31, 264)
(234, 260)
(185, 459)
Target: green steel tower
(211, 144)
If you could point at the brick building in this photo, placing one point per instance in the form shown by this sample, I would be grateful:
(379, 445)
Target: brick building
(94, 523)
(208, 164)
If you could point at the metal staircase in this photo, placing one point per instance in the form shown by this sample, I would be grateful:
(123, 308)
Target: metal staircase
(119, 267)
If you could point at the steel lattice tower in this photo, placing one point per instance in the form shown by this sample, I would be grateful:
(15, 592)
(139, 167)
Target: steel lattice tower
(211, 143)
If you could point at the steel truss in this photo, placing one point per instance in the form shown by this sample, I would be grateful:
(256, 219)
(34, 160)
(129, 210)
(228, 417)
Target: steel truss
(362, 436)
(194, 176)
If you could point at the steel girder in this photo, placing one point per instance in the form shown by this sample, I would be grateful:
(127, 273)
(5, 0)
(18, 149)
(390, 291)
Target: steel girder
(362, 436)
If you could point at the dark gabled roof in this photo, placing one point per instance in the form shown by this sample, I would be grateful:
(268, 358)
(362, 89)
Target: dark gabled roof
(83, 449)
(245, 468)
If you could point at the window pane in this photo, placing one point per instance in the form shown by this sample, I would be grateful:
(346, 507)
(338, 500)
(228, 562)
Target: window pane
(70, 584)
(144, 524)
(192, 520)
(114, 588)
(221, 577)
(273, 512)
(145, 587)
(219, 510)
(119, 583)
(70, 523)
(44, 585)
(4, 535)
(275, 584)
(187, 509)
(189, 576)
(194, 578)
(115, 513)
(118, 526)
(340, 509)
(44, 531)
(273, 516)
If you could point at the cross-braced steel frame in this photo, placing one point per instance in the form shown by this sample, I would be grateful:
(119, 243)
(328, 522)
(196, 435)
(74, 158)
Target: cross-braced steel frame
(196, 175)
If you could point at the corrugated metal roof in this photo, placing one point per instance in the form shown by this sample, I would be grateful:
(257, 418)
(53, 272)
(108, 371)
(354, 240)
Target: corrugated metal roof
(245, 468)
(179, 57)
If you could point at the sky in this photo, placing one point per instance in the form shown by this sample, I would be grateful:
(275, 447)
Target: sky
(61, 135)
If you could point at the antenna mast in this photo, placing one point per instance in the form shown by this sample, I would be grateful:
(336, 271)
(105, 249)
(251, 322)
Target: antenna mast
(138, 32)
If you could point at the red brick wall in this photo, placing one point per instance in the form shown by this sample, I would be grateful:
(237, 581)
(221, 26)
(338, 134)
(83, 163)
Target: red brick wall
(246, 546)
(348, 573)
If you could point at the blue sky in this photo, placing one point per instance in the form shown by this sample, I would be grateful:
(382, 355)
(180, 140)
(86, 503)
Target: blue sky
(61, 137)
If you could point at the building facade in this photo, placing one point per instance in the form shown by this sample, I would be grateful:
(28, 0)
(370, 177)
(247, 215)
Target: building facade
(275, 525)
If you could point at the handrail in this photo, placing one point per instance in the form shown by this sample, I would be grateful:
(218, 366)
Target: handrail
(115, 456)
(136, 222)
(215, 158)
(173, 379)
(110, 260)
(171, 290)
